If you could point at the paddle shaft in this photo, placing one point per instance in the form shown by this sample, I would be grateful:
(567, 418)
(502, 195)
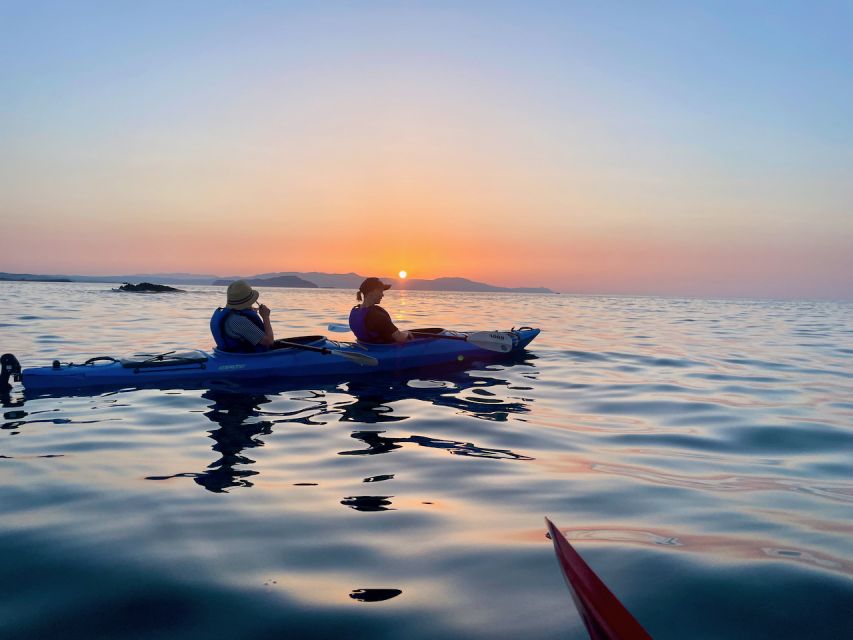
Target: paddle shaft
(439, 335)
(326, 351)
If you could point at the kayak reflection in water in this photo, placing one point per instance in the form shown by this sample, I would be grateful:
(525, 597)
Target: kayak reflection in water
(370, 322)
(239, 427)
(240, 328)
(240, 420)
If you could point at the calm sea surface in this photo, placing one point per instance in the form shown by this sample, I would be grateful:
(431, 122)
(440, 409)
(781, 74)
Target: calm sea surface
(699, 453)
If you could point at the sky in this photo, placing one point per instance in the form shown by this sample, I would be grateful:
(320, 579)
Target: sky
(662, 148)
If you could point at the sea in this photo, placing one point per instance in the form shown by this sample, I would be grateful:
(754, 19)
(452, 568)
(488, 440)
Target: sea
(697, 453)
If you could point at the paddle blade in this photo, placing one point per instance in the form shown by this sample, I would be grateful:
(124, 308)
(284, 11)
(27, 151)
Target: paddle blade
(359, 358)
(604, 616)
(499, 341)
(340, 328)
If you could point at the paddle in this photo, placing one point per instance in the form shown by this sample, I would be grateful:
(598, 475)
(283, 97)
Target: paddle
(359, 358)
(499, 341)
(604, 616)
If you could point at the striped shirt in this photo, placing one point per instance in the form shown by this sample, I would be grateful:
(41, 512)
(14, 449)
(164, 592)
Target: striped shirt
(240, 327)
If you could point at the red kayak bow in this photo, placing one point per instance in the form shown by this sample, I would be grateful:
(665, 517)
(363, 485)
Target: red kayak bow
(604, 616)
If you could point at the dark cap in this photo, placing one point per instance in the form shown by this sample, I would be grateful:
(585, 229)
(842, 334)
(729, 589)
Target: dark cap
(373, 283)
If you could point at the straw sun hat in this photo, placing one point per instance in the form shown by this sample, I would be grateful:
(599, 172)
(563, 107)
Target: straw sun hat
(241, 295)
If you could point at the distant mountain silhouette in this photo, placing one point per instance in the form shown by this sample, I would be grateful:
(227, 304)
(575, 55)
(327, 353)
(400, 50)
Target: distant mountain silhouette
(296, 279)
(326, 280)
(353, 280)
(293, 282)
(458, 284)
(29, 277)
(155, 278)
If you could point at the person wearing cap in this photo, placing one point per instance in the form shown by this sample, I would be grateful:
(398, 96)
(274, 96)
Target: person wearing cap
(238, 327)
(370, 322)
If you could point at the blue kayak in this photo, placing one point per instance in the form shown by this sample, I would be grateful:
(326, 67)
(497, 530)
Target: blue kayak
(302, 357)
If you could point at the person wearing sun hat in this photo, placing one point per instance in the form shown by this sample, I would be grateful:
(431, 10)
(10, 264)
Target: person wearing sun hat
(238, 327)
(370, 322)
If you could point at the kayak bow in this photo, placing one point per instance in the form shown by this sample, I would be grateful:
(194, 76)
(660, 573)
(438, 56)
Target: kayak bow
(604, 616)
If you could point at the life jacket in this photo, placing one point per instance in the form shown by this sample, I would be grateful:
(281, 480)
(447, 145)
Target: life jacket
(358, 324)
(228, 343)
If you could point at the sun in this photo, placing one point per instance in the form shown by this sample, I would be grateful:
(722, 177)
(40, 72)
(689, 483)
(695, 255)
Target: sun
(402, 275)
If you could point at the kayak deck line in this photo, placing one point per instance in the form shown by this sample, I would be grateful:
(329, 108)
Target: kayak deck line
(604, 616)
(297, 358)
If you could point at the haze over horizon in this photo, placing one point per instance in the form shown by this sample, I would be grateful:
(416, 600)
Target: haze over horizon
(702, 149)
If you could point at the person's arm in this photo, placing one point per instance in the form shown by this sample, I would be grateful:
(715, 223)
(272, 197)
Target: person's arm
(400, 336)
(269, 337)
(241, 328)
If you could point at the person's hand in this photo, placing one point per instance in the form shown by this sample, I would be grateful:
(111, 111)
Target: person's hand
(264, 311)
(401, 336)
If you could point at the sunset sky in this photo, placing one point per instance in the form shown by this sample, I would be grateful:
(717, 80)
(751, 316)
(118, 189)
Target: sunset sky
(697, 148)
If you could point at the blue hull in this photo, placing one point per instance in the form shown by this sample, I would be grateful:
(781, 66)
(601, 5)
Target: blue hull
(192, 367)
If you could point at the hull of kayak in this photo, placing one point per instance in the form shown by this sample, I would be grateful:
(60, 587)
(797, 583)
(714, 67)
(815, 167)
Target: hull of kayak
(190, 367)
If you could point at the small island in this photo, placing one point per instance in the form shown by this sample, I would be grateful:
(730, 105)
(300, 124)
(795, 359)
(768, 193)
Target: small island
(148, 287)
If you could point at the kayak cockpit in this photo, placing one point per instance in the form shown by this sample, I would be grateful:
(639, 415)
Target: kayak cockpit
(430, 330)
